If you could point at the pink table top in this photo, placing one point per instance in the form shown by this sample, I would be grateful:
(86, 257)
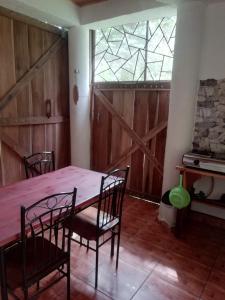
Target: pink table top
(31, 190)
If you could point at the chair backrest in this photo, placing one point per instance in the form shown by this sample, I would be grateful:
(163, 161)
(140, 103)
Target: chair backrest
(39, 163)
(111, 197)
(42, 228)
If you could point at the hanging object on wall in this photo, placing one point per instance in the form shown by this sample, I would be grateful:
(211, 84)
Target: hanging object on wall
(179, 196)
(75, 87)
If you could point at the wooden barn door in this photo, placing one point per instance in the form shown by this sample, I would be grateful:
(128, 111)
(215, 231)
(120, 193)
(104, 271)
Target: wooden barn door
(34, 100)
(129, 126)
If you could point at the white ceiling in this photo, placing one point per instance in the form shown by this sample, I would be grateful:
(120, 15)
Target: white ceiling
(65, 14)
(56, 12)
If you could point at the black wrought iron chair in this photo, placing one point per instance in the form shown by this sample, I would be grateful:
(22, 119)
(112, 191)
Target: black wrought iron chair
(39, 163)
(104, 218)
(44, 246)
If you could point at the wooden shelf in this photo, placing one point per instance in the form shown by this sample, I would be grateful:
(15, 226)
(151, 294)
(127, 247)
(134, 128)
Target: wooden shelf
(190, 175)
(215, 203)
(200, 172)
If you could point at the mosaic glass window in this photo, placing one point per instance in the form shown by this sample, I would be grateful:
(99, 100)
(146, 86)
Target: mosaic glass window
(141, 51)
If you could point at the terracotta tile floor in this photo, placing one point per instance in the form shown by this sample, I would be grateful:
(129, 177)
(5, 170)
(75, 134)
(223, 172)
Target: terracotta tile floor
(153, 265)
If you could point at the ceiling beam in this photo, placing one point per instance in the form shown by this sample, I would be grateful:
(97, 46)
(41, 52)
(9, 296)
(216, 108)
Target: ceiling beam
(119, 11)
(86, 2)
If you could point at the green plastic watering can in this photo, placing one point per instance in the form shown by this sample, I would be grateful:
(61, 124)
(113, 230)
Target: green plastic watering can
(179, 196)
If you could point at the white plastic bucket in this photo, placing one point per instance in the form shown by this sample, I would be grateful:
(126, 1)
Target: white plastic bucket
(167, 214)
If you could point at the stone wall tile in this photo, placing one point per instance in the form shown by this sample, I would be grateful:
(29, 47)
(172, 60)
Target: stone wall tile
(209, 131)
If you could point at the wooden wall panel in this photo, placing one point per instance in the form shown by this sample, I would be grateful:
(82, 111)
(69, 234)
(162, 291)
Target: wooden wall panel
(116, 138)
(22, 65)
(128, 99)
(61, 82)
(36, 47)
(160, 140)
(101, 142)
(50, 86)
(62, 139)
(21, 47)
(8, 79)
(143, 109)
(7, 70)
(140, 127)
(153, 103)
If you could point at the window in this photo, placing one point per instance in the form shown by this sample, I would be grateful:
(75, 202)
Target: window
(141, 51)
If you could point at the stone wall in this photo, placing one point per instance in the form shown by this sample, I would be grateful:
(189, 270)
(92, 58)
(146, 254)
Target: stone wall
(209, 131)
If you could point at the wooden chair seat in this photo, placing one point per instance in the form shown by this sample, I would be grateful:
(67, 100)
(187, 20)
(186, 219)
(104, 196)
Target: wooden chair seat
(44, 246)
(38, 262)
(85, 224)
(104, 216)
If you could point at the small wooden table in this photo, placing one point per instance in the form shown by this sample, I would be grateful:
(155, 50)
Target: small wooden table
(190, 175)
(31, 190)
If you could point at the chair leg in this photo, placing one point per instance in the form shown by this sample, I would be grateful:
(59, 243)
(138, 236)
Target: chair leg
(3, 285)
(96, 265)
(118, 249)
(68, 280)
(112, 244)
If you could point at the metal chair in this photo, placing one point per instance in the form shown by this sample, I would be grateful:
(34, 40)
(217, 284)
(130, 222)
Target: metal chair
(102, 218)
(44, 246)
(39, 163)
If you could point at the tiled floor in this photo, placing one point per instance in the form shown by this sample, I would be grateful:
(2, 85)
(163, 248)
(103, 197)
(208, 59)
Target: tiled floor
(153, 265)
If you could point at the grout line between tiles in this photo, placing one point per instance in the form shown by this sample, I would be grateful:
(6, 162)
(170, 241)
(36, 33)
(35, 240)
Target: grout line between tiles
(144, 282)
(90, 285)
(210, 272)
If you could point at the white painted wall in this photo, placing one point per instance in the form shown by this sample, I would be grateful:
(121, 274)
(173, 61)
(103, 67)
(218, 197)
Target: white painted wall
(199, 54)
(79, 114)
(213, 66)
(213, 47)
(137, 16)
(213, 57)
(190, 22)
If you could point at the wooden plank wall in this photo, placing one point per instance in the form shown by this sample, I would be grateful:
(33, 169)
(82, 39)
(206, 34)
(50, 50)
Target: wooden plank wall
(143, 110)
(21, 46)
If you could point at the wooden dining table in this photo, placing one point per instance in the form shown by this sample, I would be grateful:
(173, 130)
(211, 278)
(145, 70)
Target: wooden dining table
(28, 191)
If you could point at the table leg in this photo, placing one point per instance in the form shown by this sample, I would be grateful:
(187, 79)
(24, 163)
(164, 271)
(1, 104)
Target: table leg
(4, 292)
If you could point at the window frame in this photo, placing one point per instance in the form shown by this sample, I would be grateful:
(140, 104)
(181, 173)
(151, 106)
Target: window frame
(136, 82)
